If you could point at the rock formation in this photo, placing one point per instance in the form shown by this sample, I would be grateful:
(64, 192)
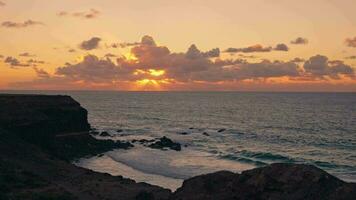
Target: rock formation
(276, 181)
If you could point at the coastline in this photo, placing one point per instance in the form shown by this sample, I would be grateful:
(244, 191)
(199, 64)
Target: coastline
(38, 137)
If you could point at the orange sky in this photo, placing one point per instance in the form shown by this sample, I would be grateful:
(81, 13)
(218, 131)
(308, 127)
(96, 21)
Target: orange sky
(148, 45)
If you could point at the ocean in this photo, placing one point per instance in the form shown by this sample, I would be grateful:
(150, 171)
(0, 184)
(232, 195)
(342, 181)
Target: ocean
(241, 131)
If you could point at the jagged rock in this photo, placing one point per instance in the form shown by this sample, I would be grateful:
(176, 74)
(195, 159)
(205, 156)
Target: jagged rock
(277, 181)
(165, 142)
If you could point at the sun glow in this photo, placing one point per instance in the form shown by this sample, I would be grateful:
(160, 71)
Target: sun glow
(130, 57)
(151, 84)
(154, 72)
(147, 81)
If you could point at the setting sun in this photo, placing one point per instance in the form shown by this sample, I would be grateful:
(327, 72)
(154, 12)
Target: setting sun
(154, 72)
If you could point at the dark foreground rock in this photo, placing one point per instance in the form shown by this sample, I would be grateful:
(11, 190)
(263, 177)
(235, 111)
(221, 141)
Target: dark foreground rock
(29, 173)
(277, 181)
(34, 155)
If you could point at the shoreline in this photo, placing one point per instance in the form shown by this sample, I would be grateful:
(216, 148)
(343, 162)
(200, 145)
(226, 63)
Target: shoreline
(116, 168)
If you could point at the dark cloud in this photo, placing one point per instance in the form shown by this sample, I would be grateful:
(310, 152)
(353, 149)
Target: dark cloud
(35, 62)
(92, 13)
(14, 62)
(298, 60)
(28, 23)
(250, 49)
(300, 40)
(281, 47)
(124, 44)
(351, 42)
(71, 50)
(1, 56)
(319, 66)
(26, 54)
(351, 57)
(41, 73)
(92, 69)
(193, 53)
(214, 53)
(91, 44)
(148, 40)
(2, 4)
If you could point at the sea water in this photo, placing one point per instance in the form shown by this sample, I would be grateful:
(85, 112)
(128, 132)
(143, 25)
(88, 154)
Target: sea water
(241, 131)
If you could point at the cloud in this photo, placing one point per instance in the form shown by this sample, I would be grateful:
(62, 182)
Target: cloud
(146, 40)
(150, 62)
(27, 23)
(351, 42)
(214, 53)
(71, 50)
(319, 66)
(300, 40)
(14, 62)
(1, 56)
(92, 69)
(41, 73)
(281, 47)
(298, 60)
(26, 54)
(250, 49)
(125, 44)
(258, 48)
(91, 14)
(90, 44)
(351, 57)
(2, 4)
(35, 62)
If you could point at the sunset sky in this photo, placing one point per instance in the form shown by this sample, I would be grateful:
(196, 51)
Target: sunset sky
(226, 45)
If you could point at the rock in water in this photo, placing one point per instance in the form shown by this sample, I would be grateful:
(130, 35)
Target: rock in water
(221, 130)
(105, 134)
(277, 181)
(165, 142)
(206, 134)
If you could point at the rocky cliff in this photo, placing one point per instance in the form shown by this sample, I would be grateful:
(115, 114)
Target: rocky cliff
(40, 134)
(276, 181)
